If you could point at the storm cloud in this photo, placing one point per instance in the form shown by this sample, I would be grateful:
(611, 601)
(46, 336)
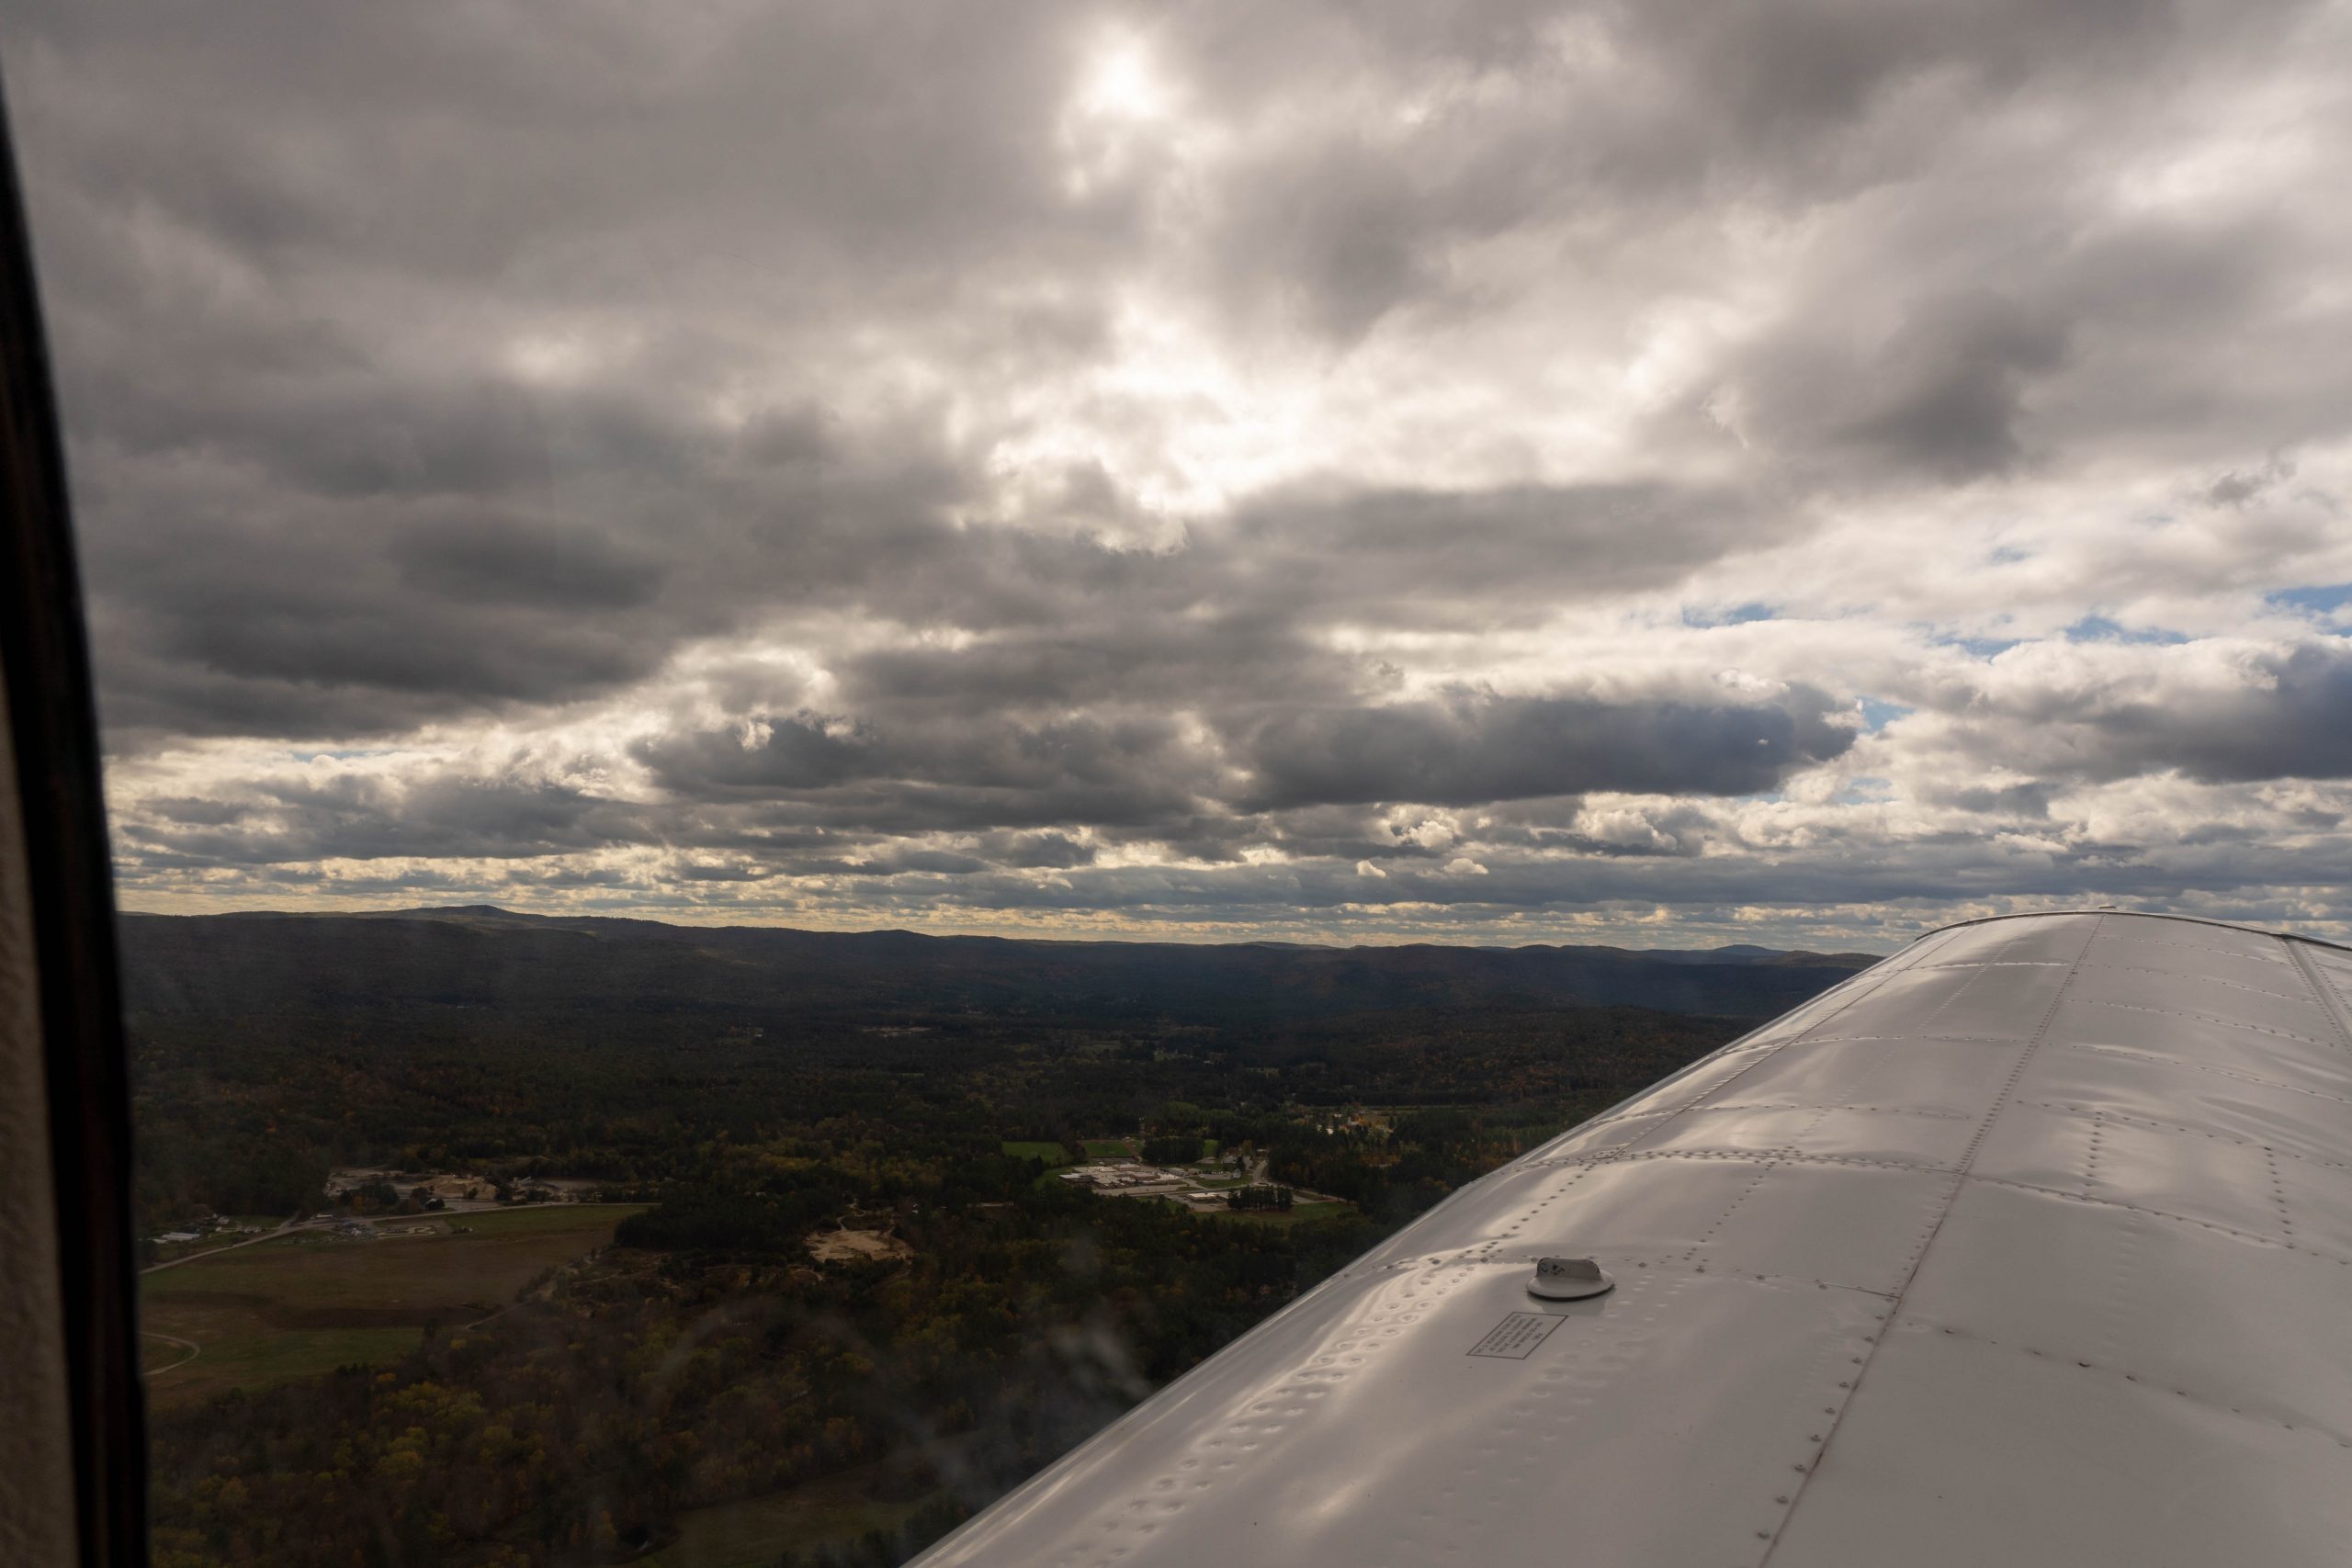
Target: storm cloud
(1473, 751)
(1491, 469)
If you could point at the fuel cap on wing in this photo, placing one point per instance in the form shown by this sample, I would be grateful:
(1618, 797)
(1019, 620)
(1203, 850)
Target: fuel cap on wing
(1568, 1279)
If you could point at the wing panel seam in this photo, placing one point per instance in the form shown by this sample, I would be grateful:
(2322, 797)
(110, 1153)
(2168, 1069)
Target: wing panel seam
(2153, 1125)
(2209, 1018)
(2151, 1384)
(2155, 1061)
(1958, 1185)
(2214, 1225)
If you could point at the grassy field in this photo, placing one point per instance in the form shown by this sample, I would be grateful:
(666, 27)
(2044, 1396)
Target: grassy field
(1053, 1154)
(310, 1303)
(242, 1357)
(558, 1219)
(831, 1512)
(1109, 1148)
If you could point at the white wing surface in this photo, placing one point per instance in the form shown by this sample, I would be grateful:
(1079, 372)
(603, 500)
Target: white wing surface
(2032, 1245)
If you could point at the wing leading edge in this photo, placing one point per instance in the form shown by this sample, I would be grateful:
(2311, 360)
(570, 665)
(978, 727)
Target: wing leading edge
(2032, 1243)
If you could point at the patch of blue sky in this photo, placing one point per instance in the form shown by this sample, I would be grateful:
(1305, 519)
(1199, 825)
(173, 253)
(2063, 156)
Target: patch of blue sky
(1981, 647)
(2008, 555)
(1867, 790)
(1737, 616)
(2099, 628)
(2319, 599)
(338, 753)
(1877, 714)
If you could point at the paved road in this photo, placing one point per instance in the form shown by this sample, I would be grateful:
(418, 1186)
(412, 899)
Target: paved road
(289, 1228)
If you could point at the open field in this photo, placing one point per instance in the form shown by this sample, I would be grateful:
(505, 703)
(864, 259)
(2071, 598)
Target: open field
(1053, 1154)
(1109, 1148)
(306, 1303)
(552, 1219)
(834, 1511)
(854, 1246)
(250, 1355)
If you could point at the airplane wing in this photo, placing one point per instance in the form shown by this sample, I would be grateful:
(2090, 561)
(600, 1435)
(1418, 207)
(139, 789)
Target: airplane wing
(2030, 1245)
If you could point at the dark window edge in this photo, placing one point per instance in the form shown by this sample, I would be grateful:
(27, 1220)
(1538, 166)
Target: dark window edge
(53, 728)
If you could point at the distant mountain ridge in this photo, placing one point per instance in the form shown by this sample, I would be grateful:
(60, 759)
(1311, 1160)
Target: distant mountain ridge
(482, 956)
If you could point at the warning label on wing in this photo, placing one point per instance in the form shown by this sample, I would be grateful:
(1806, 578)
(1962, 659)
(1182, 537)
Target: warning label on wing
(1516, 1337)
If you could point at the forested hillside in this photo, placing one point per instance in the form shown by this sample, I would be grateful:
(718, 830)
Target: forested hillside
(489, 958)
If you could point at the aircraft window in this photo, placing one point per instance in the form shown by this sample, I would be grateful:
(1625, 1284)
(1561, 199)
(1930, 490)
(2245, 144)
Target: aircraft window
(835, 732)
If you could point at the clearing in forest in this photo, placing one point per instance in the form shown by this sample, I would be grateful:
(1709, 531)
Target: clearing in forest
(848, 1245)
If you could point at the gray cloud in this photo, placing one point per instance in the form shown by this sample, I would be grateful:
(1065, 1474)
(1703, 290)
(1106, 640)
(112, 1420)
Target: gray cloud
(426, 817)
(1472, 750)
(978, 772)
(2288, 715)
(884, 459)
(1944, 394)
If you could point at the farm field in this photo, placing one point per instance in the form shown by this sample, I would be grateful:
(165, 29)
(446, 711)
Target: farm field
(311, 1303)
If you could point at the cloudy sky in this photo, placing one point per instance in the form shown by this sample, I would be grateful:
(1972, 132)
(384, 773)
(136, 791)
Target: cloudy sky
(1666, 472)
